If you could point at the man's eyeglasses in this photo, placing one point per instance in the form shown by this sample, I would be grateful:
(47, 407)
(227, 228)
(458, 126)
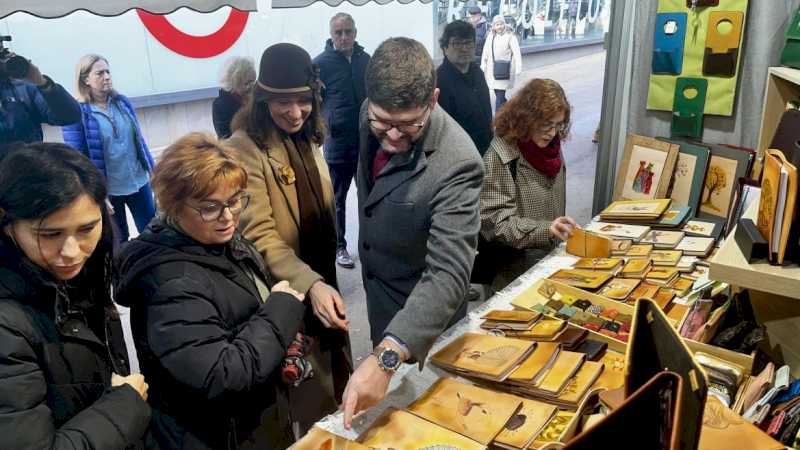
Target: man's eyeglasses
(462, 44)
(212, 211)
(406, 128)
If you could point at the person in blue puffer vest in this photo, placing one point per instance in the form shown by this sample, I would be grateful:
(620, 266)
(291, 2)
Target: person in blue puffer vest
(341, 69)
(110, 136)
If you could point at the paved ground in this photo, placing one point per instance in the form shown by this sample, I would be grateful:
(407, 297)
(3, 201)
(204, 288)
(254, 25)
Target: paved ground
(581, 76)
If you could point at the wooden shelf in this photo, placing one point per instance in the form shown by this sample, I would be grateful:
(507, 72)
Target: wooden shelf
(783, 85)
(730, 266)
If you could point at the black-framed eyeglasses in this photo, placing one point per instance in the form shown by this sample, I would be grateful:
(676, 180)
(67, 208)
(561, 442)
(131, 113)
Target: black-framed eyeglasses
(462, 44)
(406, 128)
(213, 210)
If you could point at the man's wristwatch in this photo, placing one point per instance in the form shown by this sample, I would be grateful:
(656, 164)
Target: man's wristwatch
(388, 359)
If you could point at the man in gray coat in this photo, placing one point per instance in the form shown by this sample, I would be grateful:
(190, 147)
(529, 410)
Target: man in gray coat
(419, 180)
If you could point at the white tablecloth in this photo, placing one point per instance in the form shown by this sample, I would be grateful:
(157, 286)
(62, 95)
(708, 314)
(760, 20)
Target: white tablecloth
(409, 383)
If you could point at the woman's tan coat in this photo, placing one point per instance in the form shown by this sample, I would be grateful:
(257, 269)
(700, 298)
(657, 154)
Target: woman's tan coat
(271, 220)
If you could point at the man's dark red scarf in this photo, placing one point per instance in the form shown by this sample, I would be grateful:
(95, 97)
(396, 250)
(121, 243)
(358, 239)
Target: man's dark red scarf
(546, 160)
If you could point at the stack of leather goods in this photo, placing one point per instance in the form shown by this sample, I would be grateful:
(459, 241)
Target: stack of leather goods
(619, 247)
(667, 258)
(483, 356)
(639, 251)
(662, 276)
(666, 384)
(663, 239)
(513, 320)
(635, 210)
(609, 320)
(637, 268)
(724, 377)
(612, 266)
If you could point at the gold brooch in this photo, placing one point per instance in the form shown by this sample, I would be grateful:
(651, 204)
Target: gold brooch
(287, 175)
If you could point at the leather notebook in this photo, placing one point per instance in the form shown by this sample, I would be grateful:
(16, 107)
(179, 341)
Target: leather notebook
(588, 245)
(787, 140)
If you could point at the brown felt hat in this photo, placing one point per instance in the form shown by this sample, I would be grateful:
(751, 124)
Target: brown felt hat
(285, 70)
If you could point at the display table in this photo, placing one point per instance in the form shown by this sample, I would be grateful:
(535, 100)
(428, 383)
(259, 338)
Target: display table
(409, 383)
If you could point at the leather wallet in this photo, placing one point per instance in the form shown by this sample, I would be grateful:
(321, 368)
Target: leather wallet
(750, 241)
(688, 110)
(592, 349)
(655, 346)
(668, 42)
(588, 245)
(722, 49)
(659, 401)
(571, 338)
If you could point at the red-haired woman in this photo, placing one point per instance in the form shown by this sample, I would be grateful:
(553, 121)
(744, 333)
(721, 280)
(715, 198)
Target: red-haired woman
(524, 191)
(208, 331)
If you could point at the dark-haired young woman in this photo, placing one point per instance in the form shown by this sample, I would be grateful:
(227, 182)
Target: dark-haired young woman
(64, 381)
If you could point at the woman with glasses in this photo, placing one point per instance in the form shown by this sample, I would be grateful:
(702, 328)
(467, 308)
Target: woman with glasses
(110, 136)
(209, 325)
(277, 135)
(238, 77)
(524, 192)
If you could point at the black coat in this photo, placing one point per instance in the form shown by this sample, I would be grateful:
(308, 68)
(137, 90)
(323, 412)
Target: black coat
(223, 108)
(206, 343)
(55, 374)
(465, 96)
(343, 92)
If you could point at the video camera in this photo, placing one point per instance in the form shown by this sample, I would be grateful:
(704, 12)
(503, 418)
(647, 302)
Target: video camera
(14, 66)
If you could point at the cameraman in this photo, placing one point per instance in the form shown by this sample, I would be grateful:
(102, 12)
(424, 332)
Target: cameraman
(29, 101)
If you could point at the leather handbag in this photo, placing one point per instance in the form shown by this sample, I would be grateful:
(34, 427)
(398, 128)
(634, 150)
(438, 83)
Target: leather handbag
(501, 68)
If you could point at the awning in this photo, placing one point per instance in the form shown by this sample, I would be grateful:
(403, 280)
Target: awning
(304, 3)
(49, 9)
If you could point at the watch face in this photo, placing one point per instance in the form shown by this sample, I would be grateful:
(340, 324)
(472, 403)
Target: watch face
(390, 359)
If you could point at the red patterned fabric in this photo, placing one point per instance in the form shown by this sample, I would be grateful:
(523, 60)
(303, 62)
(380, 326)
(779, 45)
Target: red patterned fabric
(546, 160)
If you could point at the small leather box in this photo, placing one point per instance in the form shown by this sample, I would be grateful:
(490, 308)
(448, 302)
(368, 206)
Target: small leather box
(750, 241)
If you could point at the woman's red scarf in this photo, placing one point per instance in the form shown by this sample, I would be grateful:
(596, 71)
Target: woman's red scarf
(546, 160)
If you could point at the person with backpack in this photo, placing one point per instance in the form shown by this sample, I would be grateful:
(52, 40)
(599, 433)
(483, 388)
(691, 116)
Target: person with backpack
(524, 192)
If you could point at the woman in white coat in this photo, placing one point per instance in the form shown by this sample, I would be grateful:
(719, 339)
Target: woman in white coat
(502, 46)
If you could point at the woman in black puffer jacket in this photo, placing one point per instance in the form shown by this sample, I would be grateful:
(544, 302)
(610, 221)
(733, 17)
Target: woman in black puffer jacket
(64, 380)
(209, 333)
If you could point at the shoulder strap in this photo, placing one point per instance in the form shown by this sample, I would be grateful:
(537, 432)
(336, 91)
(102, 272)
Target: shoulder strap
(493, 36)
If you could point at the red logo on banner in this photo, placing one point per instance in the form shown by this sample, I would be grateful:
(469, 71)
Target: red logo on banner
(195, 46)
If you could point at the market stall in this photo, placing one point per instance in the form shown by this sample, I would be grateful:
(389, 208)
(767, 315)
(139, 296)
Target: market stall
(693, 256)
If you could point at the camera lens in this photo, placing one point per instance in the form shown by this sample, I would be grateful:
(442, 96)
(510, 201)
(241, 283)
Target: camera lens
(17, 67)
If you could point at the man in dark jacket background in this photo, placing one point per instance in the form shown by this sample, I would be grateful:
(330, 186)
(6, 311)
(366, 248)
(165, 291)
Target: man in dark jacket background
(27, 103)
(342, 66)
(464, 93)
(481, 26)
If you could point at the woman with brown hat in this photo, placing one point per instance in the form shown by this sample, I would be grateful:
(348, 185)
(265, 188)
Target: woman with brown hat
(291, 220)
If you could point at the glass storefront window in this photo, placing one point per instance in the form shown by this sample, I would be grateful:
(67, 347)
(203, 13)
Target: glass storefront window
(537, 22)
